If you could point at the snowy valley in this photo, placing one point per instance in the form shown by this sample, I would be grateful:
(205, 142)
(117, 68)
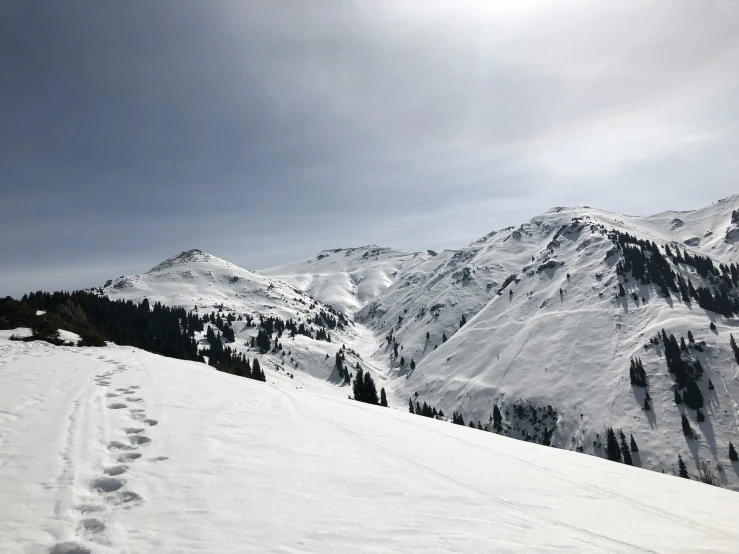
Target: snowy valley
(578, 326)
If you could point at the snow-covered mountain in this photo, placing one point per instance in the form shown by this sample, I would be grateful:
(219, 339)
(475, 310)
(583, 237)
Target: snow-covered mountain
(109, 450)
(195, 279)
(541, 321)
(348, 278)
(549, 340)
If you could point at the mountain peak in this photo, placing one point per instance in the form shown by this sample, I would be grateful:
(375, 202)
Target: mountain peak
(185, 257)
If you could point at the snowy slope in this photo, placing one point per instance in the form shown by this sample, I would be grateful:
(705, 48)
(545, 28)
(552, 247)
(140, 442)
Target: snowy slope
(559, 346)
(568, 349)
(195, 278)
(349, 278)
(117, 450)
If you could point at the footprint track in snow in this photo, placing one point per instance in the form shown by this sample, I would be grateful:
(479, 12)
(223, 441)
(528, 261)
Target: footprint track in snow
(117, 445)
(69, 548)
(91, 526)
(117, 406)
(107, 484)
(133, 430)
(115, 470)
(139, 440)
(129, 457)
(124, 498)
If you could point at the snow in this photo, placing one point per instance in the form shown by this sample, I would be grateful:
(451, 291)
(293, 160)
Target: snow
(568, 351)
(117, 450)
(347, 279)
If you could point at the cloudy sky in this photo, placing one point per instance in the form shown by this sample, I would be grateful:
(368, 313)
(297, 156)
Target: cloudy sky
(266, 131)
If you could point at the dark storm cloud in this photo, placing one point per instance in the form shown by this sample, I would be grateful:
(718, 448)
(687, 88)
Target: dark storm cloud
(264, 131)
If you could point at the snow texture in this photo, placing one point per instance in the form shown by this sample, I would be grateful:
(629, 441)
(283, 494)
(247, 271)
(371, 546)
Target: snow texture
(200, 461)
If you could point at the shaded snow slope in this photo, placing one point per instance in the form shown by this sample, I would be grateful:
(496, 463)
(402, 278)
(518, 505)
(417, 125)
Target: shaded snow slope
(348, 278)
(117, 450)
(564, 342)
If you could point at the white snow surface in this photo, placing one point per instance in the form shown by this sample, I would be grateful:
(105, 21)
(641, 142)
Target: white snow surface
(348, 278)
(570, 351)
(110, 450)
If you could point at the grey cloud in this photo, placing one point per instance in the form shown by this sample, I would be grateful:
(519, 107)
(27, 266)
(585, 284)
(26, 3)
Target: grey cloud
(265, 131)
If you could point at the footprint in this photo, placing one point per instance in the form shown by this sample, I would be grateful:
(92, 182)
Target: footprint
(92, 526)
(134, 399)
(136, 410)
(122, 389)
(134, 387)
(129, 456)
(138, 416)
(159, 459)
(124, 498)
(115, 470)
(139, 439)
(151, 422)
(69, 548)
(116, 405)
(90, 509)
(112, 394)
(133, 430)
(116, 445)
(106, 484)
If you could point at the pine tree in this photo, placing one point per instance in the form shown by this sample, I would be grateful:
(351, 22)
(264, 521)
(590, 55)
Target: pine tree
(682, 469)
(691, 340)
(413, 364)
(358, 387)
(497, 418)
(625, 451)
(734, 348)
(402, 361)
(383, 398)
(411, 409)
(443, 337)
(701, 418)
(634, 448)
(612, 448)
(646, 407)
(732, 453)
(370, 392)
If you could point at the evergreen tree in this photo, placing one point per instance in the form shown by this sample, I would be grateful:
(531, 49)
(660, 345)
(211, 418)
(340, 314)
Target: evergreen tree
(358, 387)
(732, 453)
(682, 469)
(701, 418)
(678, 398)
(497, 418)
(646, 407)
(612, 448)
(734, 348)
(257, 372)
(383, 398)
(428, 336)
(625, 451)
(687, 429)
(402, 361)
(443, 337)
(634, 448)
(637, 374)
(413, 364)
(691, 340)
(411, 409)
